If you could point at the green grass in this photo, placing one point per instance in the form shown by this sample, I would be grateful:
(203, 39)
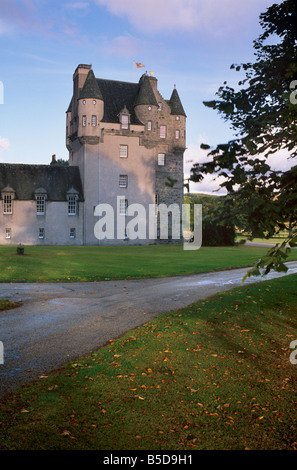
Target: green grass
(69, 264)
(214, 375)
(6, 304)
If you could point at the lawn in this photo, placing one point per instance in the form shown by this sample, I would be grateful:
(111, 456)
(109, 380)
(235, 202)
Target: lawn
(214, 375)
(82, 263)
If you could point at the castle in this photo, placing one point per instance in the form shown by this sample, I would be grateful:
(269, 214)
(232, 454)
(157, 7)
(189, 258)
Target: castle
(126, 146)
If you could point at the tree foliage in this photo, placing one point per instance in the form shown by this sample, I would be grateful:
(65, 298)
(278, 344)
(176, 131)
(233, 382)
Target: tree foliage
(263, 115)
(217, 230)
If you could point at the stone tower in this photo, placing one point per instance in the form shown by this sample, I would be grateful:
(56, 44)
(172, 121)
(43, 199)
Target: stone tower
(128, 142)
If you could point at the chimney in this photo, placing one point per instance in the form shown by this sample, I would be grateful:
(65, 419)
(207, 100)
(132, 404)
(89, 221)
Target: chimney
(54, 161)
(79, 78)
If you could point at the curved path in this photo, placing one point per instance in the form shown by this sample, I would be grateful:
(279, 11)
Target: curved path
(58, 323)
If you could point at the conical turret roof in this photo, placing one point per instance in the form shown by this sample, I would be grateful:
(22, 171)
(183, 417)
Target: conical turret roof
(90, 88)
(175, 104)
(145, 94)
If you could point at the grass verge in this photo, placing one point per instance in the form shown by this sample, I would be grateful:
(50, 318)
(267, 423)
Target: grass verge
(6, 304)
(82, 263)
(214, 375)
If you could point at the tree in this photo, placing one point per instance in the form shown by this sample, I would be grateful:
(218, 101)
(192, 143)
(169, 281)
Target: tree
(263, 116)
(217, 230)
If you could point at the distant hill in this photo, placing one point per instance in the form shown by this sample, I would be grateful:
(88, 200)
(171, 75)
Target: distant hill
(208, 201)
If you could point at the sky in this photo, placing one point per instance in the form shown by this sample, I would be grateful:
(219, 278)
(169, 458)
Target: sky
(187, 43)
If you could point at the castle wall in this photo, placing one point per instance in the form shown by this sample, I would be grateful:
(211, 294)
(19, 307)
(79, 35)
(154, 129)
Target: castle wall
(24, 224)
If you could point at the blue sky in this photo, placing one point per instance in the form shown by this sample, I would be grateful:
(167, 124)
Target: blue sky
(190, 43)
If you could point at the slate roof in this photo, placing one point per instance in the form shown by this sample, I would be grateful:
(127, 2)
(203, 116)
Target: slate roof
(26, 179)
(118, 94)
(175, 104)
(90, 88)
(145, 93)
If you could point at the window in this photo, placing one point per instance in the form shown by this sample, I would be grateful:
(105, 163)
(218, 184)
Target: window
(163, 132)
(72, 205)
(123, 206)
(84, 121)
(161, 159)
(7, 204)
(40, 205)
(125, 121)
(149, 125)
(177, 134)
(94, 121)
(123, 151)
(72, 233)
(41, 232)
(7, 233)
(160, 106)
(123, 182)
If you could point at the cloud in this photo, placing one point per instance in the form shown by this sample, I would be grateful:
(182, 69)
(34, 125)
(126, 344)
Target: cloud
(217, 17)
(281, 161)
(210, 183)
(4, 144)
(126, 46)
(35, 17)
(77, 5)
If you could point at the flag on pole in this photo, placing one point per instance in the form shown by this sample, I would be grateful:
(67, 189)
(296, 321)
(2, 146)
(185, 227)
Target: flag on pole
(139, 65)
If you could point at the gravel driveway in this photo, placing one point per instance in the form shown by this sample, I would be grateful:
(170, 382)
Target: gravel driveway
(58, 323)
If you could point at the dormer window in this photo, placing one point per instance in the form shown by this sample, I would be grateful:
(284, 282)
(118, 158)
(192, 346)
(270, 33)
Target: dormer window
(72, 202)
(40, 205)
(40, 197)
(72, 210)
(125, 121)
(7, 204)
(125, 118)
(8, 195)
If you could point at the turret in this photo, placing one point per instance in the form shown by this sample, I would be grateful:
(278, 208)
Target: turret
(90, 107)
(145, 104)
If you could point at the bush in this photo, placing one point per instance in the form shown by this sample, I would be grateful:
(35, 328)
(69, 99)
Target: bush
(20, 249)
(217, 234)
